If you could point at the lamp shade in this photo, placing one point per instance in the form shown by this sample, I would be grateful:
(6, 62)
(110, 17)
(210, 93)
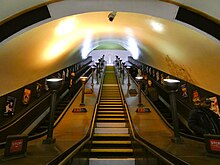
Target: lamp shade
(171, 84)
(138, 78)
(83, 79)
(54, 83)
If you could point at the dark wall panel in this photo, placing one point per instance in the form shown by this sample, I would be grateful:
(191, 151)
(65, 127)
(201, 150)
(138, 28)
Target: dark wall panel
(199, 22)
(23, 21)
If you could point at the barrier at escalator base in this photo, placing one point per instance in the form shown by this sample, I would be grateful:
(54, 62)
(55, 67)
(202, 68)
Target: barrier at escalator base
(16, 147)
(212, 144)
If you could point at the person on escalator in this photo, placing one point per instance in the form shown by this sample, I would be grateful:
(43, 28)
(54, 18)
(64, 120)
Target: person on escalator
(151, 92)
(202, 120)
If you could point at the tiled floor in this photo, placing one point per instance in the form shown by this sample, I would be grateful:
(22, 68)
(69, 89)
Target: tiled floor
(149, 125)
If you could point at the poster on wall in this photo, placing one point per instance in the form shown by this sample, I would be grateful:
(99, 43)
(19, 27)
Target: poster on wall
(153, 72)
(38, 89)
(64, 75)
(196, 97)
(184, 90)
(214, 105)
(67, 73)
(149, 71)
(157, 76)
(26, 96)
(161, 78)
(10, 106)
(46, 88)
(59, 75)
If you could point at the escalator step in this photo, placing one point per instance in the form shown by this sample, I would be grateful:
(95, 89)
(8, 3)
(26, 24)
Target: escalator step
(111, 142)
(111, 115)
(111, 135)
(111, 119)
(106, 112)
(110, 124)
(111, 130)
(107, 150)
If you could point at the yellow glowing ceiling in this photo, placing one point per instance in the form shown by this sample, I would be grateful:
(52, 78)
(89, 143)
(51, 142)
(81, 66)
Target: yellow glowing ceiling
(158, 42)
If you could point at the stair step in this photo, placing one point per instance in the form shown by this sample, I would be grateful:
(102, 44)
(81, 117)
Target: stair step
(111, 115)
(111, 150)
(112, 161)
(110, 102)
(113, 100)
(111, 119)
(106, 112)
(110, 105)
(114, 125)
(112, 135)
(111, 130)
(110, 85)
(111, 108)
(111, 142)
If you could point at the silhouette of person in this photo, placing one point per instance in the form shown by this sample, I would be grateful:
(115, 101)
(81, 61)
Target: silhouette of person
(151, 92)
(202, 120)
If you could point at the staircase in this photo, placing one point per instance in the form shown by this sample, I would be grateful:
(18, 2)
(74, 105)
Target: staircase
(111, 142)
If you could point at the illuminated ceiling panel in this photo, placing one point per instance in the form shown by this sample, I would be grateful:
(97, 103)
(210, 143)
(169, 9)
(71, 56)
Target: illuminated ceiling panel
(165, 45)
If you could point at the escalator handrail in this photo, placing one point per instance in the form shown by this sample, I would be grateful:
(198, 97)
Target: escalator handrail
(85, 139)
(201, 139)
(153, 149)
(24, 114)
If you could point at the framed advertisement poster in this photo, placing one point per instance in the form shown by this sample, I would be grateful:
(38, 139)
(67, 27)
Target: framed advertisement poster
(63, 75)
(157, 76)
(161, 78)
(196, 97)
(26, 96)
(214, 105)
(10, 106)
(154, 73)
(184, 90)
(38, 89)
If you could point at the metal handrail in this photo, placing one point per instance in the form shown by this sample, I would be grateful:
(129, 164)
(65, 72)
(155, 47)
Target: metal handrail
(165, 160)
(197, 138)
(69, 156)
(24, 114)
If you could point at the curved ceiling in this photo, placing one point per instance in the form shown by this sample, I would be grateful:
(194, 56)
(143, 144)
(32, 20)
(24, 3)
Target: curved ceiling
(160, 43)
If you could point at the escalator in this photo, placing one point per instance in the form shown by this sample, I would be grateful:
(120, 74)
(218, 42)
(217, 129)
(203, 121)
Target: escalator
(41, 128)
(111, 138)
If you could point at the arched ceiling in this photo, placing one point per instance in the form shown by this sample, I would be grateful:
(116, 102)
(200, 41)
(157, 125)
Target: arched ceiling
(163, 44)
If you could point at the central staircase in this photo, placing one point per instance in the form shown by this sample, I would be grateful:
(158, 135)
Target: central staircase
(111, 141)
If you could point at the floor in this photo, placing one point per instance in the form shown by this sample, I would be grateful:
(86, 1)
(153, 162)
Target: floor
(74, 126)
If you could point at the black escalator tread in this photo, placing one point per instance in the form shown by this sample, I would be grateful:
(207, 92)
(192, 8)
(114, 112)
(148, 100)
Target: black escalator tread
(44, 124)
(166, 113)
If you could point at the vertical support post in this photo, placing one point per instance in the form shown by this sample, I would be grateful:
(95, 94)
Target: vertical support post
(53, 84)
(92, 83)
(172, 87)
(82, 97)
(50, 138)
(139, 79)
(83, 79)
(97, 72)
(176, 138)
